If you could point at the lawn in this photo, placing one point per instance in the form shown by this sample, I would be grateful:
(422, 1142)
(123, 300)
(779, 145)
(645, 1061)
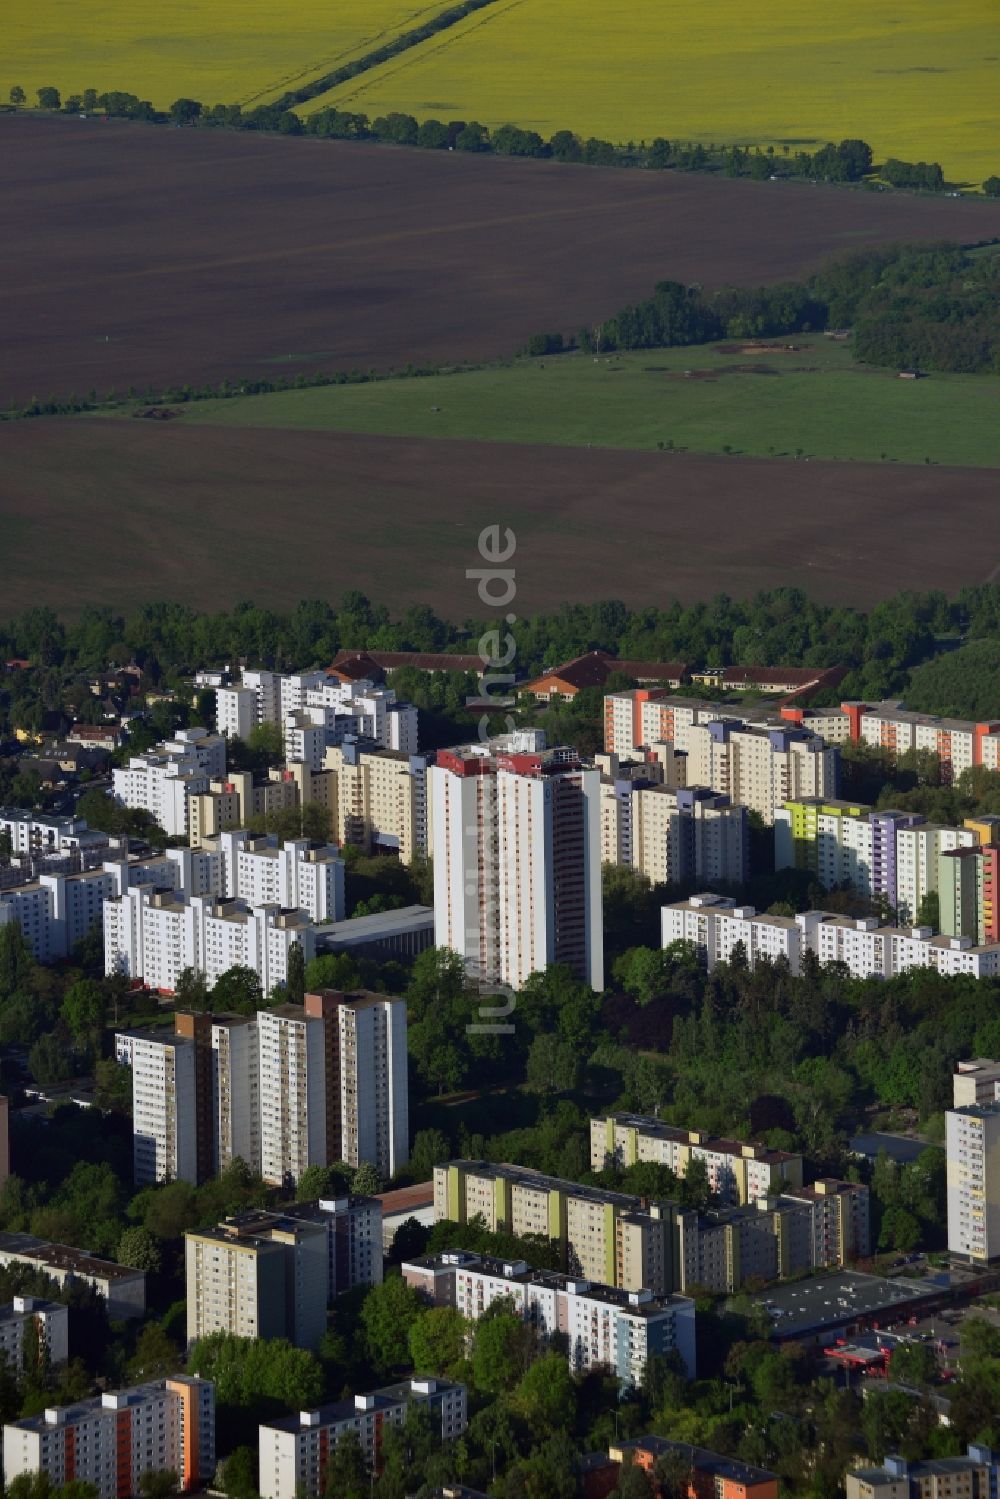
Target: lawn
(814, 403)
(915, 78)
(218, 51)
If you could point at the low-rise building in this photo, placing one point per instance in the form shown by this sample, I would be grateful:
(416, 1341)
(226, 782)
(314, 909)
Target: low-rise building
(603, 1327)
(114, 1439)
(709, 1474)
(717, 927)
(123, 1288)
(294, 1452)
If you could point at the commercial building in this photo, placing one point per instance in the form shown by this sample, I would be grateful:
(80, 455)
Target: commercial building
(48, 1319)
(154, 934)
(972, 1145)
(258, 1275)
(114, 1439)
(820, 1309)
(379, 798)
(711, 1476)
(123, 1288)
(603, 1328)
(517, 861)
(973, 1476)
(737, 1173)
(386, 934)
(294, 1452)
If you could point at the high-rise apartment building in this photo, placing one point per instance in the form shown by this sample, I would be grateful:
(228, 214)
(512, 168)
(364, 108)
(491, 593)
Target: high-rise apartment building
(972, 1145)
(293, 1086)
(517, 861)
(164, 1108)
(758, 767)
(673, 834)
(379, 798)
(161, 781)
(353, 1228)
(114, 1439)
(258, 1275)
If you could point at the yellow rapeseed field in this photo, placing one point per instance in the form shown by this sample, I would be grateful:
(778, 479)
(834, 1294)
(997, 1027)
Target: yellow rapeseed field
(219, 51)
(918, 79)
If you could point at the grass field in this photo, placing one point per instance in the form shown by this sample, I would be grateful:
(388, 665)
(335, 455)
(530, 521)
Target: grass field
(917, 79)
(219, 51)
(816, 402)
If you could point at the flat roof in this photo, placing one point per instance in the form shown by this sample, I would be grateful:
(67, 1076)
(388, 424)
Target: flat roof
(701, 1459)
(824, 1301)
(62, 1257)
(525, 1176)
(345, 1410)
(381, 924)
(716, 1143)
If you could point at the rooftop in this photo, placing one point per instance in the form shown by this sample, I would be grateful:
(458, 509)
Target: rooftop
(62, 1257)
(378, 1400)
(526, 1177)
(727, 1468)
(651, 1126)
(823, 1301)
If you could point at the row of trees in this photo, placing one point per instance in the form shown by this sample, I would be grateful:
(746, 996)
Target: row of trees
(848, 161)
(934, 308)
(168, 641)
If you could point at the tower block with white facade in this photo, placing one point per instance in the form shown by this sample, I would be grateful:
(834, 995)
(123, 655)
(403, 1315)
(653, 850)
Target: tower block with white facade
(517, 861)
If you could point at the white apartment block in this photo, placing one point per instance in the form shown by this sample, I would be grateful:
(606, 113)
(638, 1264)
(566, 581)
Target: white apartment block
(603, 1327)
(758, 767)
(918, 849)
(670, 835)
(164, 1130)
(960, 744)
(295, 875)
(293, 1092)
(154, 934)
(33, 832)
(162, 780)
(379, 798)
(517, 862)
(716, 925)
(294, 1452)
(57, 911)
(50, 1320)
(305, 702)
(737, 1173)
(258, 1275)
(972, 1145)
(112, 1440)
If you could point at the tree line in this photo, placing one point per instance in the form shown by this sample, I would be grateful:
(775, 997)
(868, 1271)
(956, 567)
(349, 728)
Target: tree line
(850, 161)
(910, 306)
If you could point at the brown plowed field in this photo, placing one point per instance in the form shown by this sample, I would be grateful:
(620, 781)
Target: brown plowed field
(136, 254)
(120, 512)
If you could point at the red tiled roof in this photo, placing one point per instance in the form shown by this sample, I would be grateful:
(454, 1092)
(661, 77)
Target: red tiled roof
(355, 664)
(594, 669)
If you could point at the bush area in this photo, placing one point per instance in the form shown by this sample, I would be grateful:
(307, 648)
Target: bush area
(916, 307)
